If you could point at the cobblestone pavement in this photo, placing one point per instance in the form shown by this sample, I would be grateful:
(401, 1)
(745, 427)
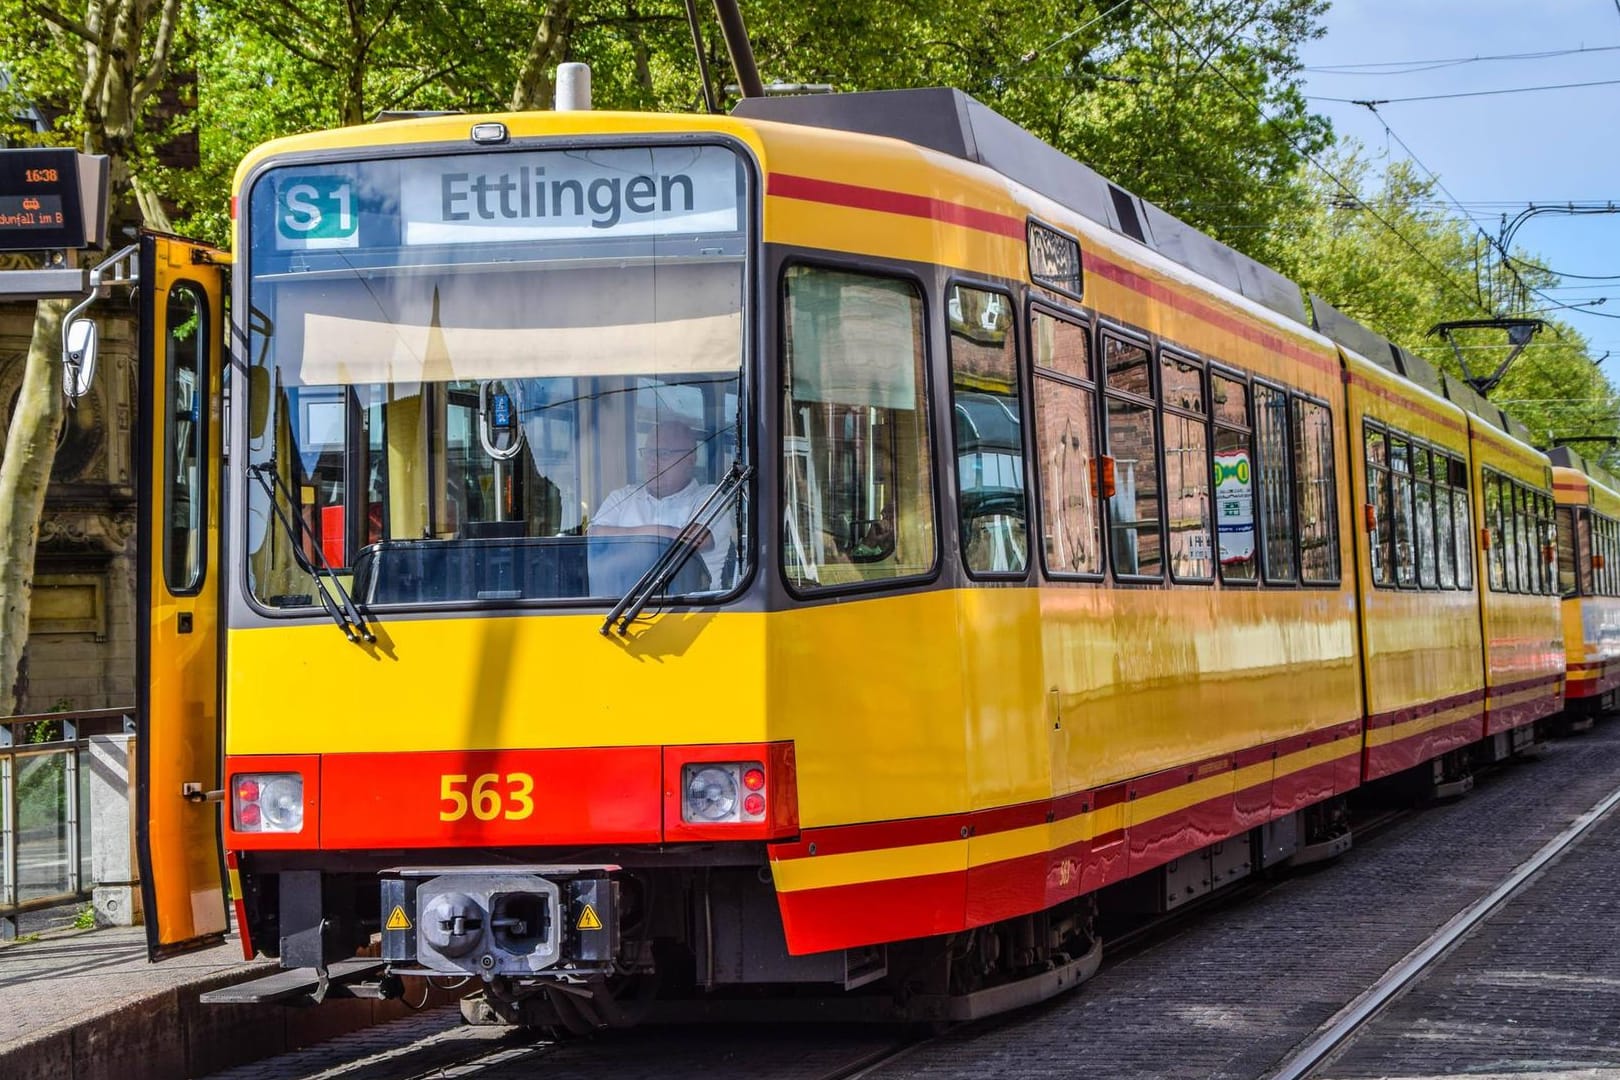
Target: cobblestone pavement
(1233, 994)
(1534, 989)
(1226, 997)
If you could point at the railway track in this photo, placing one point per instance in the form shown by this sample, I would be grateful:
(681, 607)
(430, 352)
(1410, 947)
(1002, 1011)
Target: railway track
(1342, 1029)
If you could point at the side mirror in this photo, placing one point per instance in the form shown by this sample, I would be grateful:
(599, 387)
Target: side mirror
(78, 357)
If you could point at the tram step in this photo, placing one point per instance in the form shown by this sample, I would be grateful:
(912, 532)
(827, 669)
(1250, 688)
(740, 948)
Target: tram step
(298, 986)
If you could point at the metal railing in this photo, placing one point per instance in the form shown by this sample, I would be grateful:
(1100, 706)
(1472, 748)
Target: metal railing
(45, 808)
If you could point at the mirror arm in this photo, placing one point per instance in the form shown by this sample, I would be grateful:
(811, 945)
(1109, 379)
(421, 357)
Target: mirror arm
(119, 268)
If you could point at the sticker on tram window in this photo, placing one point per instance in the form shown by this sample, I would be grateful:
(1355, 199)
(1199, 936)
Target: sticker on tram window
(316, 211)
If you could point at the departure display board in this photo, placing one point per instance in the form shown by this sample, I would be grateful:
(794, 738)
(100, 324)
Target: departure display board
(40, 202)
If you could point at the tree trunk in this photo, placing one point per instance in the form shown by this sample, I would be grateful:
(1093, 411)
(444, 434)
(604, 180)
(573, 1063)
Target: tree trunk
(535, 82)
(24, 473)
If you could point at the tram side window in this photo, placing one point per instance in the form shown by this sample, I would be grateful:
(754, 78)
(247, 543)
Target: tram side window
(1423, 498)
(855, 462)
(1378, 497)
(1315, 493)
(1234, 478)
(1583, 548)
(989, 432)
(1135, 531)
(1566, 551)
(1462, 521)
(1066, 446)
(1400, 467)
(1497, 552)
(185, 471)
(1525, 533)
(1444, 547)
(1186, 468)
(1276, 499)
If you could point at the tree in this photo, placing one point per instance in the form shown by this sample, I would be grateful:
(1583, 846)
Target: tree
(101, 71)
(1384, 250)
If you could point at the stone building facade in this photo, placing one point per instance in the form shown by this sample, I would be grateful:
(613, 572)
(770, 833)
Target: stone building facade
(81, 646)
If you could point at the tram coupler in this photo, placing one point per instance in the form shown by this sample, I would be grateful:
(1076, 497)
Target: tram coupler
(521, 921)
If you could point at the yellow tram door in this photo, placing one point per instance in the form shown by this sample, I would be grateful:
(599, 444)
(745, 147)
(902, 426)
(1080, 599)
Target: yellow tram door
(178, 463)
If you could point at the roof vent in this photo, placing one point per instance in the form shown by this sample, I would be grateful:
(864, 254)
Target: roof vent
(1125, 210)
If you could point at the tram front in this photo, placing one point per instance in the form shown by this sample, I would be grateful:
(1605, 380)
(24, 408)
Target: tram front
(489, 519)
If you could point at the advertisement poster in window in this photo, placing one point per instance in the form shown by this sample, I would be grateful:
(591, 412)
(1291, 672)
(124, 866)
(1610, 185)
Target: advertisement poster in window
(1234, 501)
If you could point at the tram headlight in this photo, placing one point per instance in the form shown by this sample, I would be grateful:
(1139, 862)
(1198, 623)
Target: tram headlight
(267, 802)
(713, 793)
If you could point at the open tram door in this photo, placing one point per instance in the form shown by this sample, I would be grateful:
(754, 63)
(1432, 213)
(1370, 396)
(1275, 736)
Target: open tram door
(178, 642)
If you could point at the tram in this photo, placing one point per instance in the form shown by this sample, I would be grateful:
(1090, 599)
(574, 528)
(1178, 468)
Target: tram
(1588, 508)
(1030, 545)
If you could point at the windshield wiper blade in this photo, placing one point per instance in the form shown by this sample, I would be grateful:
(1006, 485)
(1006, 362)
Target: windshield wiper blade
(347, 615)
(670, 561)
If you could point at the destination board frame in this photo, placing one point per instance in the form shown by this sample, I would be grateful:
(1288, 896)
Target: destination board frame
(51, 199)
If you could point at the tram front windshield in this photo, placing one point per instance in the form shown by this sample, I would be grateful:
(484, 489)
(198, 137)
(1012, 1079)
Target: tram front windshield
(492, 378)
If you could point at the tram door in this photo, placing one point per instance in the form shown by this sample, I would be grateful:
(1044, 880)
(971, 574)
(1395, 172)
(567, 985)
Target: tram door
(178, 434)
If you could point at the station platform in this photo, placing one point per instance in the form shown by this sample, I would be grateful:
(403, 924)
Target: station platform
(87, 1005)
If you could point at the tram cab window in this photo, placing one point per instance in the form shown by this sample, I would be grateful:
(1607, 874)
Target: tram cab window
(451, 403)
(856, 470)
(989, 432)
(1234, 479)
(1066, 446)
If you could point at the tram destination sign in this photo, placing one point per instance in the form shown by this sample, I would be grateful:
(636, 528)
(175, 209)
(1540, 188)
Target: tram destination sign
(51, 199)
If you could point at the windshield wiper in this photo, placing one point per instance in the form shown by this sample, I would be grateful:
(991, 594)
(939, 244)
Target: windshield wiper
(347, 614)
(682, 548)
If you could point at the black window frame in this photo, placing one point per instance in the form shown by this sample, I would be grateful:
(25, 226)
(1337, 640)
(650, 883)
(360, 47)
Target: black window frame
(1177, 354)
(925, 395)
(1295, 399)
(205, 358)
(1037, 304)
(1023, 375)
(1230, 373)
(1262, 520)
(1138, 339)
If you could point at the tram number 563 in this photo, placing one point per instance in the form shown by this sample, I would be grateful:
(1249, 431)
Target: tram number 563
(486, 797)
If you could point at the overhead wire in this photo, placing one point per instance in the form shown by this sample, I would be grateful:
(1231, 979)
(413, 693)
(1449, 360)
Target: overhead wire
(1260, 109)
(1407, 67)
(1470, 93)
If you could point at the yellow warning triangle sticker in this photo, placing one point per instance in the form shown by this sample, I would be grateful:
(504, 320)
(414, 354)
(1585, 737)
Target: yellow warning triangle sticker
(397, 919)
(588, 919)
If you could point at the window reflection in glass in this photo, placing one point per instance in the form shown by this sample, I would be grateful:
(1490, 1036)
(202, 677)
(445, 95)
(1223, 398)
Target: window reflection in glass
(1066, 443)
(989, 431)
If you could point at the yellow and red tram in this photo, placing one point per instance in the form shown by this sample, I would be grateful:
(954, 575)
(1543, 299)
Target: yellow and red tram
(907, 681)
(1588, 531)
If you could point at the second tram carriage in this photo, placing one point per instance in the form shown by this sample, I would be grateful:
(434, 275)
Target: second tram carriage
(1046, 546)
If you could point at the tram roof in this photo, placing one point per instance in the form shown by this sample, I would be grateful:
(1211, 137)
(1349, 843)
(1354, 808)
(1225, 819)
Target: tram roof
(954, 123)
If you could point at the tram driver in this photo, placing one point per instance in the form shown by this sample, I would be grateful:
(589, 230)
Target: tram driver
(666, 497)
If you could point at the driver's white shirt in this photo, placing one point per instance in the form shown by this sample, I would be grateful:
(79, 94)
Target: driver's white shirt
(633, 507)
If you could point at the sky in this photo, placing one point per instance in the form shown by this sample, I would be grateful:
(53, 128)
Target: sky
(1500, 153)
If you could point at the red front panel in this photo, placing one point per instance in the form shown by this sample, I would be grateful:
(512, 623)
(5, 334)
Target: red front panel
(492, 798)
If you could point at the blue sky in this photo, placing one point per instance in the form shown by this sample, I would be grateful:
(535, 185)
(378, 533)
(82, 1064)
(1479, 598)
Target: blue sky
(1498, 153)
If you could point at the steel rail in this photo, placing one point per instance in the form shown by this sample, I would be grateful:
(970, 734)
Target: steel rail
(1347, 1021)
